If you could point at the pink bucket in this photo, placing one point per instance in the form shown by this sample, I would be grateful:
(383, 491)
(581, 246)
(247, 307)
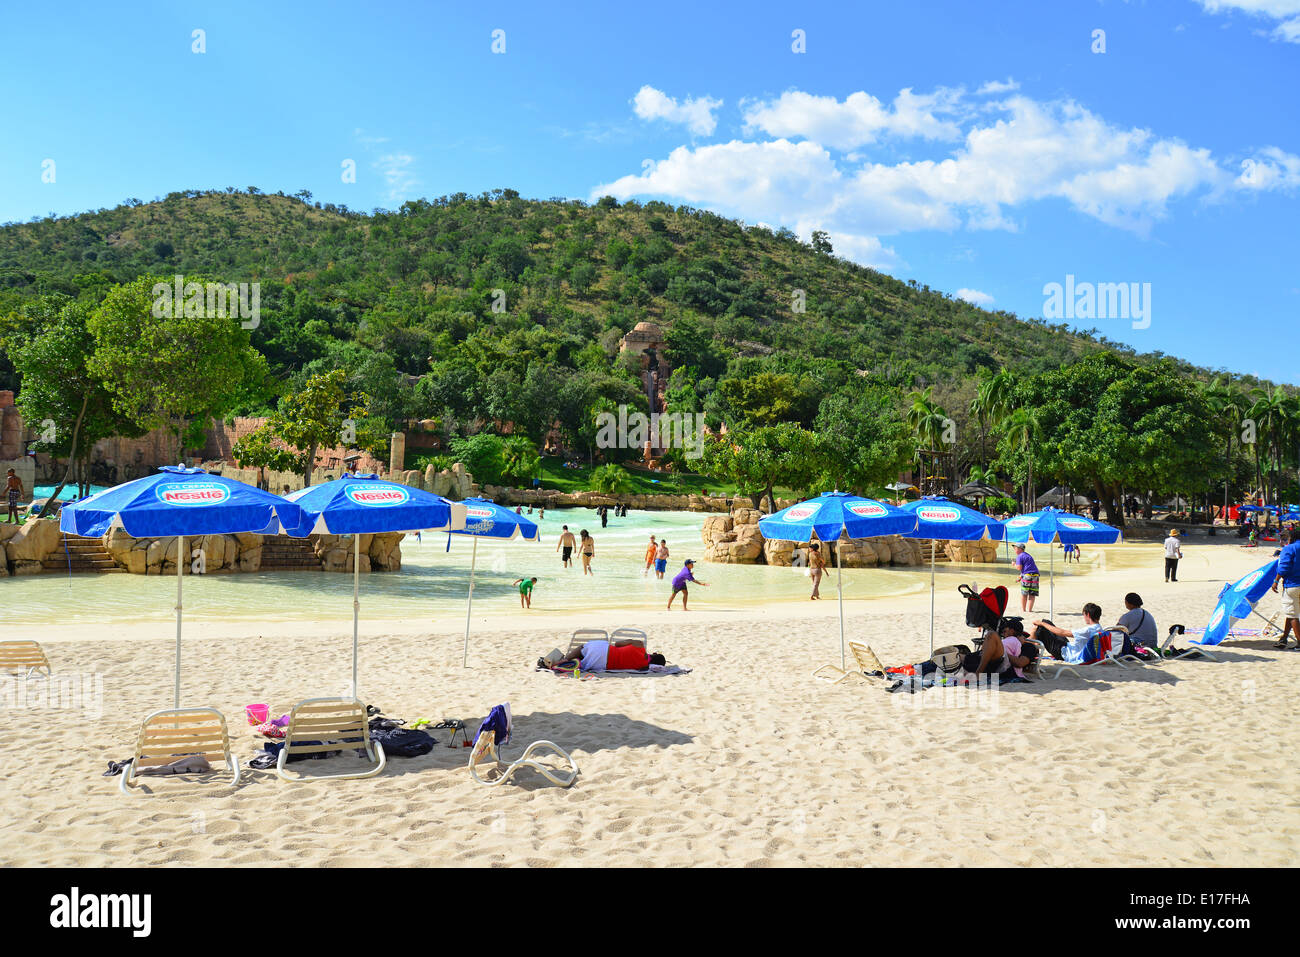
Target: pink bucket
(257, 713)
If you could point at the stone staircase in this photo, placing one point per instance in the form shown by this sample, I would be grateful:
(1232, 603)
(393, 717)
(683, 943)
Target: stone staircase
(929, 545)
(81, 555)
(292, 554)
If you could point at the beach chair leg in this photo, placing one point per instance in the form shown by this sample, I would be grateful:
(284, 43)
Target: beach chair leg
(543, 770)
(126, 783)
(831, 670)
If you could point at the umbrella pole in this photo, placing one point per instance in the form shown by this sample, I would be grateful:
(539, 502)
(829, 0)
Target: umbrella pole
(469, 602)
(180, 580)
(356, 603)
(932, 545)
(839, 588)
(1051, 578)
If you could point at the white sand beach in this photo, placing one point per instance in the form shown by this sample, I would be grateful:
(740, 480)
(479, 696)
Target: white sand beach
(746, 761)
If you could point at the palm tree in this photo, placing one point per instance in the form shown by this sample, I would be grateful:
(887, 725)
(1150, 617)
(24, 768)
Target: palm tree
(928, 421)
(1023, 428)
(1226, 401)
(1269, 412)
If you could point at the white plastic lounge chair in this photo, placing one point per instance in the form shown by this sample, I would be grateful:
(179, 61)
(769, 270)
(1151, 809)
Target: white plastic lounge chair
(592, 634)
(1186, 653)
(485, 749)
(1109, 656)
(169, 736)
(866, 661)
(329, 724)
(23, 657)
(628, 636)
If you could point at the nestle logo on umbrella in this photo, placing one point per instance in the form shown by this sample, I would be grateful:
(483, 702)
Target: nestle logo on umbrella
(192, 493)
(933, 513)
(801, 511)
(1020, 522)
(478, 512)
(1076, 523)
(389, 495)
(1246, 583)
(868, 509)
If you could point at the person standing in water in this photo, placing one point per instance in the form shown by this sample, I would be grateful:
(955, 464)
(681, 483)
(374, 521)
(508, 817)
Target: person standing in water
(565, 547)
(525, 591)
(661, 558)
(816, 568)
(651, 551)
(588, 551)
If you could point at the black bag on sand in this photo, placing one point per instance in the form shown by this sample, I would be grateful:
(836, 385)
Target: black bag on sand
(949, 658)
(1054, 644)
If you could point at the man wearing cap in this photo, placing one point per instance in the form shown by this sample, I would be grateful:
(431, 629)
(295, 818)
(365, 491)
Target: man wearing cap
(679, 583)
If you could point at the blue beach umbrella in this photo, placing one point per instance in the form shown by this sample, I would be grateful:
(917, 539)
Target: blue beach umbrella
(1054, 525)
(942, 520)
(178, 501)
(828, 516)
(359, 505)
(486, 519)
(1237, 601)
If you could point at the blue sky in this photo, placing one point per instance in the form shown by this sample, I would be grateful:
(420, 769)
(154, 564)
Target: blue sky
(1016, 157)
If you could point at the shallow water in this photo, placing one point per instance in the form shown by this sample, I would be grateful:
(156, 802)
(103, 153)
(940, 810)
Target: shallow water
(433, 581)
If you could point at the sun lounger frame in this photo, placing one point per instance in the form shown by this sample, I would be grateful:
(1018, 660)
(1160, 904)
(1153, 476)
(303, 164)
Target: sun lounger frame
(166, 736)
(327, 721)
(485, 749)
(866, 661)
(27, 657)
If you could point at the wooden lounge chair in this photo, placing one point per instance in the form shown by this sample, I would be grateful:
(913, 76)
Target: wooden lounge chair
(23, 657)
(485, 749)
(866, 661)
(170, 736)
(329, 724)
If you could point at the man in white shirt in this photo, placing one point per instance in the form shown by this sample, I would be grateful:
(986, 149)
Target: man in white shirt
(1076, 647)
(1173, 552)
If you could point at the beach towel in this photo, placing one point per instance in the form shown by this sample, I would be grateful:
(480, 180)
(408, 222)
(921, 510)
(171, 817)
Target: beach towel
(498, 720)
(654, 671)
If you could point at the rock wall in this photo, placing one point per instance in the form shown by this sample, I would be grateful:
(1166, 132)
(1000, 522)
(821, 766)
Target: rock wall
(380, 553)
(157, 556)
(736, 539)
(29, 544)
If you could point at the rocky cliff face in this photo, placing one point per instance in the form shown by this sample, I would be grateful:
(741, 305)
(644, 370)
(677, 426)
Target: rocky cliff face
(736, 539)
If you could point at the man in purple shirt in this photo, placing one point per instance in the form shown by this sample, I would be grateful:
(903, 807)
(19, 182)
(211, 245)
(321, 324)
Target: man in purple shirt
(679, 583)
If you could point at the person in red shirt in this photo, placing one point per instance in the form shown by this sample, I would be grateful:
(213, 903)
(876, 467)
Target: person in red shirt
(601, 655)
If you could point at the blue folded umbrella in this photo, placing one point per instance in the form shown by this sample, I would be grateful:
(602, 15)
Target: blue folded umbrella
(1237, 601)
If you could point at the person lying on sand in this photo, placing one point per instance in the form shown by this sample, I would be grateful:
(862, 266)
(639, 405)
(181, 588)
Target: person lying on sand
(601, 655)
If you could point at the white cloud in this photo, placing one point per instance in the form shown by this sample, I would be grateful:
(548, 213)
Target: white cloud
(998, 86)
(1285, 13)
(396, 168)
(975, 297)
(858, 120)
(1009, 152)
(1271, 169)
(695, 113)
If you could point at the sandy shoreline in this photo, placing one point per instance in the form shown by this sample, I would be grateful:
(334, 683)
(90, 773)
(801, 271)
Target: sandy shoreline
(746, 761)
